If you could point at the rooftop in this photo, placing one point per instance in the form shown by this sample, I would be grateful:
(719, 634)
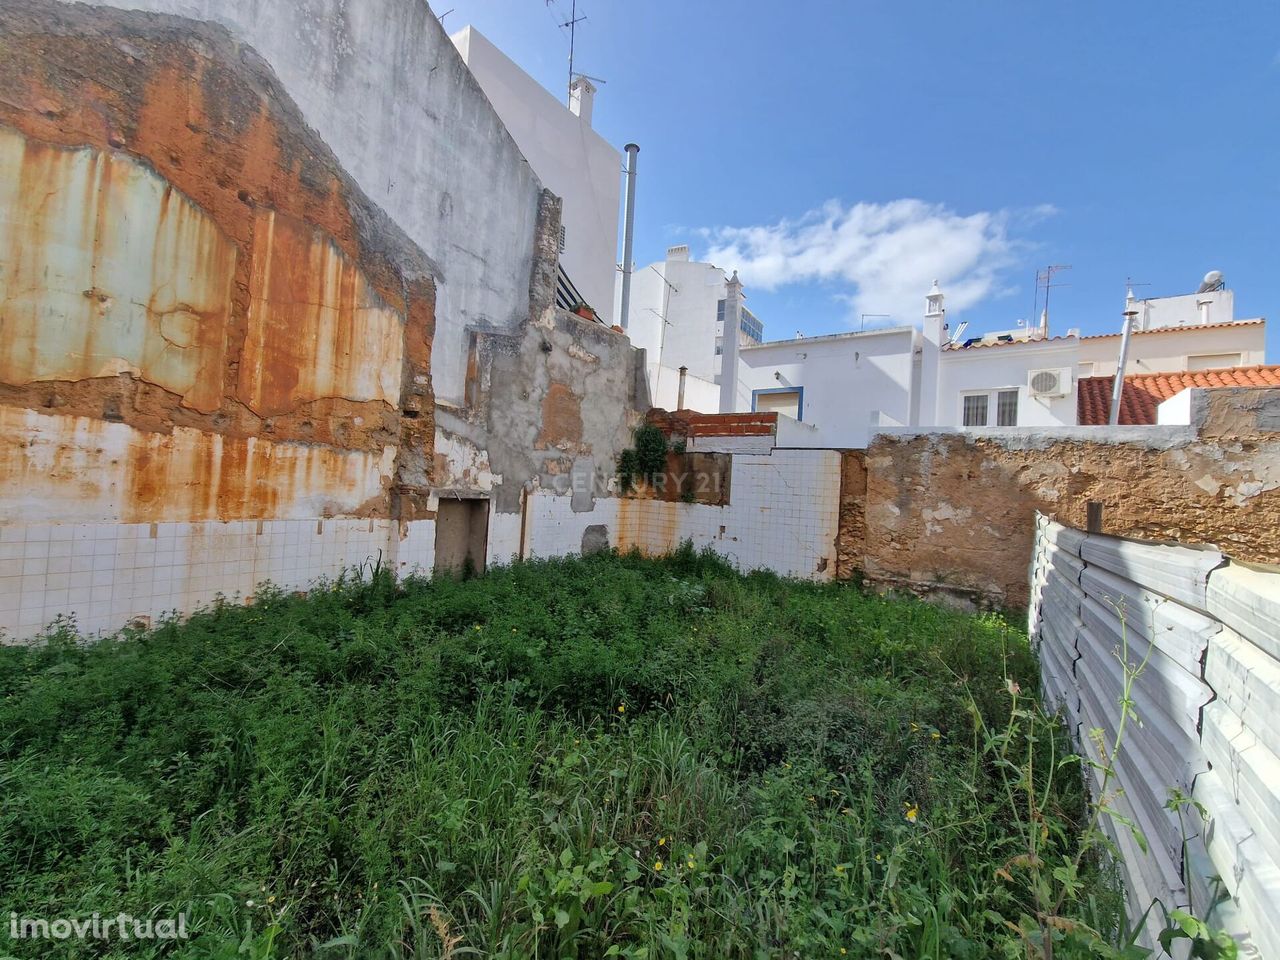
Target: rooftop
(977, 343)
(1143, 392)
(828, 337)
(1183, 328)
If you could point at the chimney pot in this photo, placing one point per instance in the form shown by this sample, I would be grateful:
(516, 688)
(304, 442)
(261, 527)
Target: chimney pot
(582, 95)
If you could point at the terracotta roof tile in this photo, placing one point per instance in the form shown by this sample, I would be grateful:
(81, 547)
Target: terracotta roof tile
(1143, 392)
(1183, 329)
(1003, 343)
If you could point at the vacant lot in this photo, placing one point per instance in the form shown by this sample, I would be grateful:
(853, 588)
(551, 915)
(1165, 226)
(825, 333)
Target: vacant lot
(587, 758)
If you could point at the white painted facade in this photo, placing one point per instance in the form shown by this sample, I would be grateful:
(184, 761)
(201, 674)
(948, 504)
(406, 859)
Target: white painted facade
(996, 380)
(843, 387)
(840, 386)
(677, 319)
(567, 155)
(1177, 349)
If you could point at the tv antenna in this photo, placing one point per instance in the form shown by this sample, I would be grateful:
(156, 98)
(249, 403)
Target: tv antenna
(1044, 278)
(572, 24)
(1130, 283)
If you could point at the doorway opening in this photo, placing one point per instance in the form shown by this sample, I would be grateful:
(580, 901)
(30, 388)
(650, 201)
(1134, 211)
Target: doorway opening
(462, 534)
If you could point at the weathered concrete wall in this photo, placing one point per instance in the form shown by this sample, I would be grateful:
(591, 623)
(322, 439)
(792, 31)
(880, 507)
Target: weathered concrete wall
(384, 88)
(953, 513)
(204, 318)
(546, 407)
(219, 355)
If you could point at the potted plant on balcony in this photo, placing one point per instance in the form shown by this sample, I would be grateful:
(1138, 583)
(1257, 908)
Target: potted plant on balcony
(583, 309)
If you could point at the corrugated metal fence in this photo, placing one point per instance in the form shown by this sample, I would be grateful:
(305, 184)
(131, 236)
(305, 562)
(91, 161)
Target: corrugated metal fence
(1203, 636)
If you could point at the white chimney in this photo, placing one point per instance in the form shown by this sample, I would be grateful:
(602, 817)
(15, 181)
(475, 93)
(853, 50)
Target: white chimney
(1204, 304)
(582, 95)
(935, 315)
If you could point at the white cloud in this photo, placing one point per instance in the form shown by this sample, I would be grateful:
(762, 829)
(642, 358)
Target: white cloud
(883, 255)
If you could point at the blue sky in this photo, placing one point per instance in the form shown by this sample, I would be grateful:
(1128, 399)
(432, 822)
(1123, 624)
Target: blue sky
(842, 154)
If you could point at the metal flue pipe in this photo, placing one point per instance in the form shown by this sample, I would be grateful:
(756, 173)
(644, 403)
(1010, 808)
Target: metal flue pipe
(1117, 386)
(628, 233)
(684, 372)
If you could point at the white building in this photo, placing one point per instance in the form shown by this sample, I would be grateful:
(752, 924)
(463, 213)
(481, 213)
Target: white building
(844, 386)
(677, 317)
(568, 156)
(1196, 331)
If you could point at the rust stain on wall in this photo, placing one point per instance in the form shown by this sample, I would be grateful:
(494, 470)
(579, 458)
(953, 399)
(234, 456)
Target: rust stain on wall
(316, 327)
(79, 469)
(105, 268)
(241, 285)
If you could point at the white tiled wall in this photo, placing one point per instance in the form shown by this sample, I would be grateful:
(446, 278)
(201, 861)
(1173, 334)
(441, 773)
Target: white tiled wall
(504, 537)
(110, 574)
(416, 552)
(783, 515)
(555, 530)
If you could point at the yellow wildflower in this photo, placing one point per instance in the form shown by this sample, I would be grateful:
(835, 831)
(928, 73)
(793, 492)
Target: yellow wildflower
(936, 735)
(662, 841)
(691, 863)
(657, 866)
(622, 708)
(911, 812)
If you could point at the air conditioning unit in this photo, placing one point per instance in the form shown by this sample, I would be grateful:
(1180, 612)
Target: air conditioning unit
(1049, 383)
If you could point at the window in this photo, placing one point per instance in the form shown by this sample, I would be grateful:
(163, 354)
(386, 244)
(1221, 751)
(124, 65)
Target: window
(1213, 361)
(975, 410)
(789, 403)
(748, 322)
(1085, 369)
(562, 236)
(1007, 408)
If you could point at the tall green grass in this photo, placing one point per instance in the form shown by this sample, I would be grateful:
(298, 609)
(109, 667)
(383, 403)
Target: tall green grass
(581, 758)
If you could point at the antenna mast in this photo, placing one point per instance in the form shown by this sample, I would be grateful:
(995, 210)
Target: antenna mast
(1044, 278)
(572, 24)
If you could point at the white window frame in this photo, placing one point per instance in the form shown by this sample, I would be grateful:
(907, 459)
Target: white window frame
(993, 405)
(966, 394)
(1238, 354)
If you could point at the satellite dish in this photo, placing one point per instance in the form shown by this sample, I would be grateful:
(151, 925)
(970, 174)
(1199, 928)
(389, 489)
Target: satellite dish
(1213, 280)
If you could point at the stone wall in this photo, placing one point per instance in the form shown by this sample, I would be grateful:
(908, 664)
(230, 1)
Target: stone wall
(851, 533)
(953, 514)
